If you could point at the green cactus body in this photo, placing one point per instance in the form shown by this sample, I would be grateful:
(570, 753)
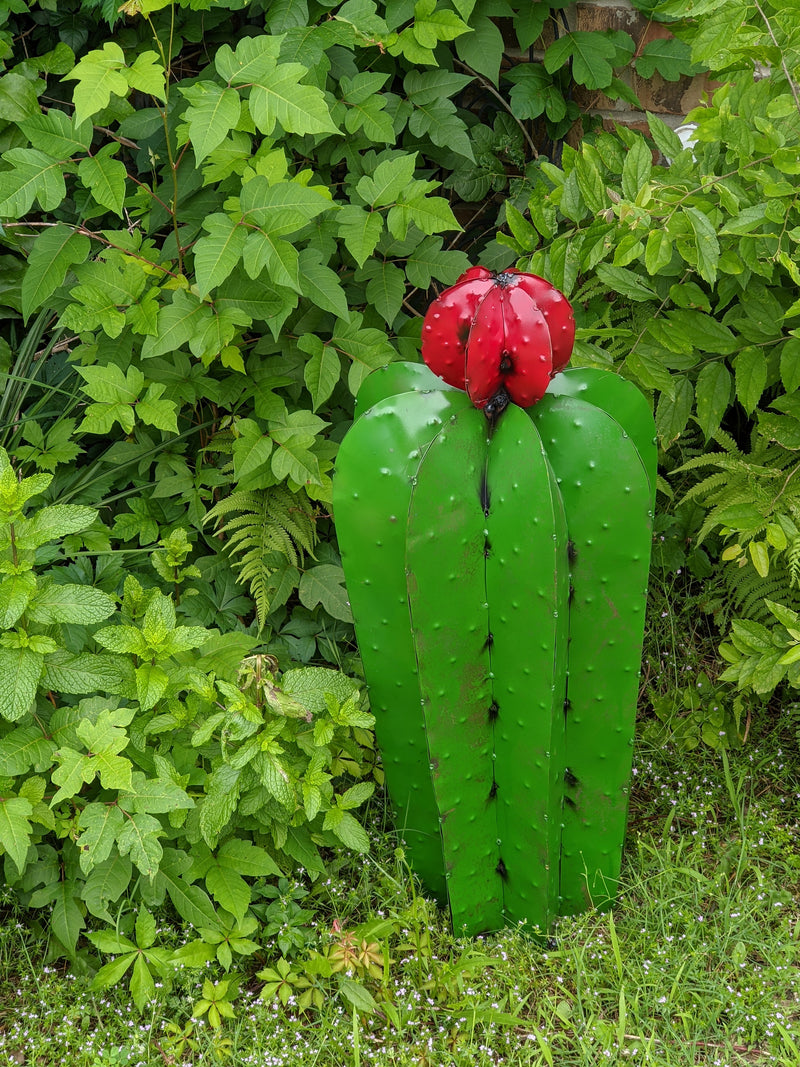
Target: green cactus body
(498, 667)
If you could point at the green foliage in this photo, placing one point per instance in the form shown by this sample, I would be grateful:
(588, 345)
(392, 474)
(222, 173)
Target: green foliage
(134, 770)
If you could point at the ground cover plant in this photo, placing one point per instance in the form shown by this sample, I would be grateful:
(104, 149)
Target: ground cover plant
(696, 965)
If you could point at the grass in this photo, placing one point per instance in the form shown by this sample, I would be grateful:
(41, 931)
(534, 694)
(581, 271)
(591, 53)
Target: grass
(698, 964)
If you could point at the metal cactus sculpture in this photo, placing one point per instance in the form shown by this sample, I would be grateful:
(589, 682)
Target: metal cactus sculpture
(496, 562)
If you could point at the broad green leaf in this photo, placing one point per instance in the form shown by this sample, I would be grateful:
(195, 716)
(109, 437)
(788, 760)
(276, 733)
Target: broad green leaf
(253, 60)
(32, 176)
(264, 251)
(111, 973)
(248, 859)
(388, 181)
(15, 828)
(228, 888)
(282, 207)
(356, 994)
(321, 284)
(70, 603)
(658, 252)
(148, 75)
(759, 554)
(790, 364)
(110, 385)
(356, 795)
(24, 748)
(190, 901)
(625, 282)
(16, 591)
(592, 57)
(105, 885)
(216, 255)
(124, 639)
(20, 671)
(212, 113)
(105, 177)
(139, 838)
(18, 98)
(66, 918)
(385, 289)
(360, 230)
(142, 985)
(52, 253)
(179, 323)
(56, 134)
(151, 684)
(666, 140)
(672, 413)
(292, 459)
(751, 377)
(100, 824)
(321, 374)
(98, 74)
(156, 796)
(350, 832)
(637, 168)
(324, 584)
(280, 97)
(482, 49)
(706, 243)
(713, 395)
(669, 56)
(85, 672)
(251, 456)
(431, 214)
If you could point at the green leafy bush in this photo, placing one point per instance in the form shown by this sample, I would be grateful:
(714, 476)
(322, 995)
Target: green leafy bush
(141, 760)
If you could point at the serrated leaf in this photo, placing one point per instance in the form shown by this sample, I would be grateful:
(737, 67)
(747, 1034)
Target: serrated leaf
(292, 459)
(351, 833)
(324, 584)
(80, 604)
(20, 671)
(356, 795)
(156, 796)
(181, 321)
(52, 254)
(254, 58)
(24, 748)
(67, 919)
(265, 251)
(16, 591)
(672, 413)
(386, 289)
(626, 282)
(190, 901)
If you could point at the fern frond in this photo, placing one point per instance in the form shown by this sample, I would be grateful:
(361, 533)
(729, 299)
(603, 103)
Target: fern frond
(266, 530)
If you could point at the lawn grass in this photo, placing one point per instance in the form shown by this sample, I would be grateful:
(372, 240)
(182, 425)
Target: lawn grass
(698, 964)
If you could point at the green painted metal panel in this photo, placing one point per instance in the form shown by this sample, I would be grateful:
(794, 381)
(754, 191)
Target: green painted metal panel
(449, 616)
(372, 491)
(527, 579)
(396, 378)
(622, 400)
(606, 496)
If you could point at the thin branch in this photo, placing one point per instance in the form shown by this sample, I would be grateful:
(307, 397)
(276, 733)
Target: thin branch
(785, 69)
(490, 88)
